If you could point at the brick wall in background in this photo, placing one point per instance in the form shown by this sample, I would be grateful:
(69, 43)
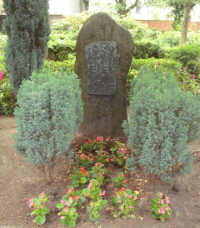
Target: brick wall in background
(166, 25)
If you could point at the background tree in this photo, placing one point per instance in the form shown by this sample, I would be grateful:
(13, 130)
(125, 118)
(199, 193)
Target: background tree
(177, 13)
(27, 27)
(84, 4)
(187, 7)
(123, 8)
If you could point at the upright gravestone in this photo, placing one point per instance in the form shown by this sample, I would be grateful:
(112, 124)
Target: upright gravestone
(104, 54)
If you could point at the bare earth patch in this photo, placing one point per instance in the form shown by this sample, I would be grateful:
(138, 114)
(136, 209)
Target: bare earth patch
(19, 181)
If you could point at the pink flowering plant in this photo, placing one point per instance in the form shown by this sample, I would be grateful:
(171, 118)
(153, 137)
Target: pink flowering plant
(80, 177)
(95, 208)
(1, 75)
(161, 207)
(67, 206)
(119, 153)
(68, 216)
(85, 160)
(103, 150)
(93, 190)
(124, 201)
(98, 172)
(40, 210)
(120, 180)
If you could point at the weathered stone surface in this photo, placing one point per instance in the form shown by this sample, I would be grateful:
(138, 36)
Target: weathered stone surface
(103, 77)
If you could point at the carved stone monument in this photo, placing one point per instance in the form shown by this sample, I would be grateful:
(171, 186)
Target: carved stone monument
(104, 54)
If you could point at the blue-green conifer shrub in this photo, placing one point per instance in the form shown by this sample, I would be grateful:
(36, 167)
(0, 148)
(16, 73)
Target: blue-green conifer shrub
(48, 114)
(163, 120)
(27, 26)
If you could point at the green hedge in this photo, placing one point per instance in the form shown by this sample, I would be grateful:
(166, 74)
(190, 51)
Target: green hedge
(61, 45)
(61, 65)
(188, 55)
(168, 64)
(7, 99)
(147, 49)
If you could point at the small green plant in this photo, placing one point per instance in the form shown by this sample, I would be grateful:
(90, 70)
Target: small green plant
(68, 216)
(124, 201)
(120, 180)
(161, 207)
(93, 191)
(102, 150)
(85, 160)
(80, 177)
(119, 153)
(67, 206)
(40, 210)
(94, 209)
(98, 173)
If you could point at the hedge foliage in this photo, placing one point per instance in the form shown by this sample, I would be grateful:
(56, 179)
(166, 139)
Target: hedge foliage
(157, 49)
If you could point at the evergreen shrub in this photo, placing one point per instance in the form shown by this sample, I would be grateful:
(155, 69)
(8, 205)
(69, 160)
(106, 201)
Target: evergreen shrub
(163, 120)
(27, 27)
(48, 115)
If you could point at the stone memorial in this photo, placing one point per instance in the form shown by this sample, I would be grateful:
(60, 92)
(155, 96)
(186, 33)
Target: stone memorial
(104, 55)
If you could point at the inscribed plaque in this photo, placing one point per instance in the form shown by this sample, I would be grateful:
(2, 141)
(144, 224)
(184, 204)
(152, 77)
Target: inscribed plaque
(102, 62)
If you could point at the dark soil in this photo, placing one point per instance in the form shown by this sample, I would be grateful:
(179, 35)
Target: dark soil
(19, 181)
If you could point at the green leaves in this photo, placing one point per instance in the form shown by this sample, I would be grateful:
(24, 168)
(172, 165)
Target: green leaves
(39, 208)
(60, 205)
(40, 220)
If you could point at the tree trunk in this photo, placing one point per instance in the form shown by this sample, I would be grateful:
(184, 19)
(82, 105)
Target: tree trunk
(186, 19)
(84, 5)
(49, 170)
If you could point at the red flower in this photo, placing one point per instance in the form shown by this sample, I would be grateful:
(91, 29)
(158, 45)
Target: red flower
(123, 150)
(75, 198)
(98, 164)
(83, 171)
(193, 76)
(108, 139)
(69, 191)
(84, 156)
(99, 139)
(122, 189)
(115, 191)
(89, 140)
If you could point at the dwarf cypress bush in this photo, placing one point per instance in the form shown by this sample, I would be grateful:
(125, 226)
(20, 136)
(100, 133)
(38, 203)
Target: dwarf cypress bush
(48, 114)
(163, 120)
(27, 27)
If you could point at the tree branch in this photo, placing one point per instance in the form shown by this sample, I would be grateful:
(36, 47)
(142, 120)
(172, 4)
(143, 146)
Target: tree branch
(133, 5)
